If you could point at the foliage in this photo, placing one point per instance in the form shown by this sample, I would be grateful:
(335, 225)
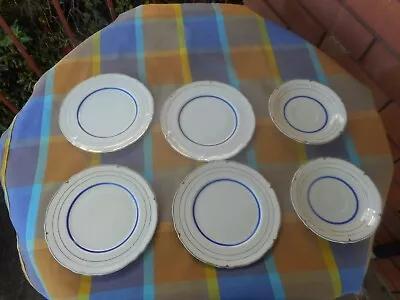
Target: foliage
(37, 26)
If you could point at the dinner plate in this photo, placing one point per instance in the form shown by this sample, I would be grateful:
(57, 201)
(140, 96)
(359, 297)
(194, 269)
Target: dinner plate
(106, 113)
(226, 214)
(307, 111)
(336, 200)
(100, 220)
(207, 121)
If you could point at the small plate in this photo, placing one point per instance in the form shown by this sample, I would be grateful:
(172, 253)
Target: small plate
(106, 113)
(207, 121)
(336, 200)
(307, 112)
(100, 220)
(226, 214)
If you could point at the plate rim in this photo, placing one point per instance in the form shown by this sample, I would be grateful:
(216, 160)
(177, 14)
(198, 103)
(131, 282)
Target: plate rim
(330, 239)
(299, 140)
(153, 204)
(268, 189)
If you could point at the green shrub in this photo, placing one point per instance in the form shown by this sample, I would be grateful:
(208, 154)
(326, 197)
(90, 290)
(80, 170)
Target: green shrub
(37, 26)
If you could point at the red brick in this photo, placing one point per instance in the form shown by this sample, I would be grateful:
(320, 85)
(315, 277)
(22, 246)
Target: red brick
(381, 99)
(391, 220)
(354, 36)
(391, 120)
(325, 11)
(384, 68)
(396, 176)
(262, 8)
(340, 23)
(394, 195)
(331, 46)
(390, 274)
(382, 16)
(382, 236)
(394, 149)
(396, 260)
(299, 20)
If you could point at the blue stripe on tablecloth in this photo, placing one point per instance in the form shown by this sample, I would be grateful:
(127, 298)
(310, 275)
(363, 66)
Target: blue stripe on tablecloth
(40, 171)
(225, 46)
(269, 261)
(317, 66)
(274, 278)
(322, 78)
(142, 74)
(148, 256)
(348, 282)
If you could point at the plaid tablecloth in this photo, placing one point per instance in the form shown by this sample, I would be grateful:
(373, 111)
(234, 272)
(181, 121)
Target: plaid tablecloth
(166, 46)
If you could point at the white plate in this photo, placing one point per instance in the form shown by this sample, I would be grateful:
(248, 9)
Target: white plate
(336, 200)
(226, 214)
(106, 113)
(100, 220)
(207, 121)
(307, 111)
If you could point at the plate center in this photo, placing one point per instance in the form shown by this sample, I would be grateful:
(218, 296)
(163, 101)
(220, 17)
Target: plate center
(305, 114)
(107, 112)
(226, 212)
(208, 120)
(102, 217)
(333, 200)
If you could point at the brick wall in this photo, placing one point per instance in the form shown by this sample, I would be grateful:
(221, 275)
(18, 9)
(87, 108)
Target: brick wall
(364, 37)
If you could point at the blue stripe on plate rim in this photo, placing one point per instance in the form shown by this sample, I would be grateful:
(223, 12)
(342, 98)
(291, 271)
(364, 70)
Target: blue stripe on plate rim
(313, 99)
(255, 199)
(345, 183)
(80, 194)
(215, 97)
(102, 89)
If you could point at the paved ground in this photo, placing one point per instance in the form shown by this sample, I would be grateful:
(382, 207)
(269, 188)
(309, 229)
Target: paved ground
(13, 284)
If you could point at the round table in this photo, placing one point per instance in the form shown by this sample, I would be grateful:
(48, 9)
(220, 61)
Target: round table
(165, 47)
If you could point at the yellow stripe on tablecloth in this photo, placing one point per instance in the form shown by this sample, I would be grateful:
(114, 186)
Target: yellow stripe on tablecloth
(332, 267)
(96, 63)
(23, 265)
(269, 51)
(84, 287)
(3, 184)
(276, 74)
(95, 159)
(86, 281)
(187, 76)
(301, 151)
(212, 283)
(4, 164)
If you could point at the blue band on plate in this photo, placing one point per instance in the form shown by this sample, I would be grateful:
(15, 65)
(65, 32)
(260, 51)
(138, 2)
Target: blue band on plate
(254, 197)
(215, 97)
(345, 183)
(102, 89)
(80, 194)
(313, 99)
